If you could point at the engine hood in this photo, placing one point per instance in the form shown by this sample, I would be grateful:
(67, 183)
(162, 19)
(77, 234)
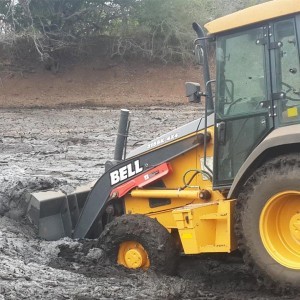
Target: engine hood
(173, 135)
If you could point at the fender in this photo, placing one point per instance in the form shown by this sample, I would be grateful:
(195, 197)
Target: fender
(279, 137)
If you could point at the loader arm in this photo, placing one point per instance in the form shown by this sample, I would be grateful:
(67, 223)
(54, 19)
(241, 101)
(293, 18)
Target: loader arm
(100, 194)
(80, 213)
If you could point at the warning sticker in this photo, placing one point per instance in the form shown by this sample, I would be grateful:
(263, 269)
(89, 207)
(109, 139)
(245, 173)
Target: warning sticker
(292, 112)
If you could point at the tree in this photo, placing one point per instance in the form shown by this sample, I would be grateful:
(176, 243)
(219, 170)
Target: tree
(152, 29)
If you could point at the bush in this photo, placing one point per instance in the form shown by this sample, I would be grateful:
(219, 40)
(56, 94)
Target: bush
(151, 29)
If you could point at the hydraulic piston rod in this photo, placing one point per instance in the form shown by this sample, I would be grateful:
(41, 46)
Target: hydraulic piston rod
(183, 194)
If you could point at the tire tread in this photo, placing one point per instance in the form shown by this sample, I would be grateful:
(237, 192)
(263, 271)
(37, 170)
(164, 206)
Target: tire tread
(155, 238)
(281, 165)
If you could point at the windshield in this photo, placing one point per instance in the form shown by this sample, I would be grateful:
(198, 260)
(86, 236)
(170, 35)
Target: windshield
(241, 83)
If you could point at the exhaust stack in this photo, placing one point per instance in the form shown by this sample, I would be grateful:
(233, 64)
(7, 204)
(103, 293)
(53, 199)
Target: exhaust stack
(121, 141)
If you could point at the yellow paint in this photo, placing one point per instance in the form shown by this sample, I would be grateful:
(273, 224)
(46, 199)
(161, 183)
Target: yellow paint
(295, 227)
(292, 112)
(186, 235)
(180, 164)
(132, 255)
(210, 225)
(151, 193)
(279, 228)
(254, 14)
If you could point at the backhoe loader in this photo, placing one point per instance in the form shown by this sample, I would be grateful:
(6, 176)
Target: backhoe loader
(226, 181)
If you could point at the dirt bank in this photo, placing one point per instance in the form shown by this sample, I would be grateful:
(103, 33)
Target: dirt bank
(42, 148)
(98, 83)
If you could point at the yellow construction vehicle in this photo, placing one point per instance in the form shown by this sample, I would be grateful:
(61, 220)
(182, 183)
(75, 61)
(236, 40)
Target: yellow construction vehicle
(225, 181)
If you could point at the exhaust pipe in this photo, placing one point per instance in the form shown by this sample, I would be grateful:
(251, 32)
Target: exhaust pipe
(121, 141)
(122, 135)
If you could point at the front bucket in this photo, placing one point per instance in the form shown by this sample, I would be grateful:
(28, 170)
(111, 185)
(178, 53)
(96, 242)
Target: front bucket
(54, 213)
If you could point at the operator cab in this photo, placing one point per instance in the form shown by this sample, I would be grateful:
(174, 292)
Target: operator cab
(257, 81)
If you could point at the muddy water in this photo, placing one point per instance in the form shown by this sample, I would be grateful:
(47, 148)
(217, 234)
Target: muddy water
(42, 149)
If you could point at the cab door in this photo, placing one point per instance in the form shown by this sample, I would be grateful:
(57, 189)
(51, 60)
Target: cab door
(244, 103)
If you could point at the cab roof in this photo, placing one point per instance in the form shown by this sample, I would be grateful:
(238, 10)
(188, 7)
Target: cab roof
(255, 14)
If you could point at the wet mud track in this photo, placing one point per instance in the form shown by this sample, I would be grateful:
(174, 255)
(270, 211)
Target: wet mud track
(42, 149)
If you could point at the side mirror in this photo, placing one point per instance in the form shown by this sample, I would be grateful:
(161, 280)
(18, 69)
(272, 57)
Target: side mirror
(199, 54)
(192, 91)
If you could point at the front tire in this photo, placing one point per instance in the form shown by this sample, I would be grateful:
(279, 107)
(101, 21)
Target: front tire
(268, 222)
(140, 242)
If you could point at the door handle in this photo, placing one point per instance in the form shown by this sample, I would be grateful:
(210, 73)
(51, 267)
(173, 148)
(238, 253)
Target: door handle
(221, 132)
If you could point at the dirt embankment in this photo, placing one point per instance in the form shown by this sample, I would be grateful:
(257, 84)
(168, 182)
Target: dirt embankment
(101, 82)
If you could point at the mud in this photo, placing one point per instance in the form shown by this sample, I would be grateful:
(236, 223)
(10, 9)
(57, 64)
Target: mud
(42, 149)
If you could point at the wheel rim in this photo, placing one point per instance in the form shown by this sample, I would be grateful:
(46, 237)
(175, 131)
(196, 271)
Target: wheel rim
(132, 255)
(280, 228)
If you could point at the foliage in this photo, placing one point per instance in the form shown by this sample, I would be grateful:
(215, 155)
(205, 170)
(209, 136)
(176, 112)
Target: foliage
(154, 29)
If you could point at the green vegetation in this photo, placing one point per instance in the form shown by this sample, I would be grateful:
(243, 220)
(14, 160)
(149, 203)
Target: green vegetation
(151, 29)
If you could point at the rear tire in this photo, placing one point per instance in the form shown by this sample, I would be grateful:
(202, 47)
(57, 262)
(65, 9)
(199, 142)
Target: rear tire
(267, 216)
(129, 236)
